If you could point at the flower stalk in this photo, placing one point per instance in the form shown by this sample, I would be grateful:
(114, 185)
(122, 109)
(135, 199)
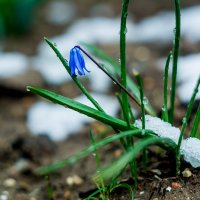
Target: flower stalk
(175, 59)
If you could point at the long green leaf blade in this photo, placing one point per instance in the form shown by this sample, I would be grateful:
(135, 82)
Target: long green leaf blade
(90, 149)
(115, 169)
(196, 123)
(79, 107)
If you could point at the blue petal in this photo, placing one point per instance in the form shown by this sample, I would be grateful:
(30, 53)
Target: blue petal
(78, 62)
(72, 65)
(81, 60)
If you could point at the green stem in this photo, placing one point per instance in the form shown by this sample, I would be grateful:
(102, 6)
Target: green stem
(98, 164)
(165, 106)
(175, 58)
(196, 123)
(123, 31)
(130, 144)
(131, 114)
(125, 102)
(142, 99)
(184, 124)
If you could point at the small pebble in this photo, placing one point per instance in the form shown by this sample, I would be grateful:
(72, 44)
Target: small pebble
(168, 189)
(33, 198)
(10, 182)
(74, 180)
(142, 192)
(67, 195)
(155, 198)
(176, 185)
(118, 153)
(186, 173)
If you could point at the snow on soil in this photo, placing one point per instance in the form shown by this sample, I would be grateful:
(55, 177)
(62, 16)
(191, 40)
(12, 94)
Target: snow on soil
(161, 128)
(12, 64)
(190, 149)
(59, 122)
(187, 76)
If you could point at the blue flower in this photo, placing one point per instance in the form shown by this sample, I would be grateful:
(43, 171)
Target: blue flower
(76, 62)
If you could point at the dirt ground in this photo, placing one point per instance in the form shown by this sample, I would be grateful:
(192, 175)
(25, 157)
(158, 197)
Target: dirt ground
(21, 153)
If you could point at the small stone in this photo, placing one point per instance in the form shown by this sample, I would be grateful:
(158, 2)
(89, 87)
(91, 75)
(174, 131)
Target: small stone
(69, 181)
(186, 173)
(77, 180)
(67, 195)
(10, 182)
(33, 198)
(118, 153)
(168, 189)
(155, 198)
(176, 185)
(142, 192)
(74, 180)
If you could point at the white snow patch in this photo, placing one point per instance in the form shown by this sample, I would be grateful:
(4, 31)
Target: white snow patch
(159, 127)
(60, 12)
(190, 149)
(51, 69)
(160, 27)
(59, 122)
(12, 64)
(187, 76)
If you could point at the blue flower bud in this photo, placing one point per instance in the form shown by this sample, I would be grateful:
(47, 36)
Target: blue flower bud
(76, 62)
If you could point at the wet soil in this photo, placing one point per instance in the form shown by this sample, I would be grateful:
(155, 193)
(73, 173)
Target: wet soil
(22, 153)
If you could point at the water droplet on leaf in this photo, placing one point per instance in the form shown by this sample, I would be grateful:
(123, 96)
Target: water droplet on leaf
(145, 101)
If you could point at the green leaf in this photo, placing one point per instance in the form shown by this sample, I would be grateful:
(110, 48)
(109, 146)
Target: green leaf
(90, 149)
(196, 123)
(131, 85)
(81, 108)
(116, 168)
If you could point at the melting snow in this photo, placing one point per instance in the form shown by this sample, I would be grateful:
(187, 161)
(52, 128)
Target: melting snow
(161, 128)
(160, 27)
(59, 122)
(12, 64)
(188, 74)
(190, 149)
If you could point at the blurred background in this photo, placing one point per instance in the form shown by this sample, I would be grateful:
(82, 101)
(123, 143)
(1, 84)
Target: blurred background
(30, 126)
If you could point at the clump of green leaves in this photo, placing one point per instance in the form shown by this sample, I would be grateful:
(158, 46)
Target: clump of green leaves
(124, 129)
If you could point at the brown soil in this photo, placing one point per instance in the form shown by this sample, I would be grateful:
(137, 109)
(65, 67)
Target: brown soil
(21, 153)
